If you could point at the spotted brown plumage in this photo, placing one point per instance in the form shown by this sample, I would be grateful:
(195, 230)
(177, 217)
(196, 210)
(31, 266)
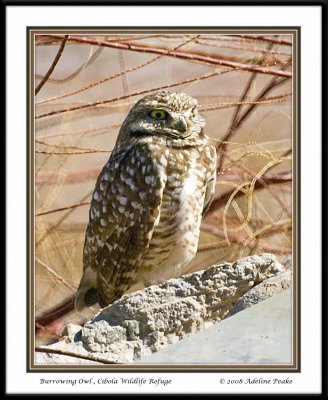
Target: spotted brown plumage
(146, 209)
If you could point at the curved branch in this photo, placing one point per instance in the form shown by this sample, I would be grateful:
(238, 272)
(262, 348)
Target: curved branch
(267, 179)
(53, 65)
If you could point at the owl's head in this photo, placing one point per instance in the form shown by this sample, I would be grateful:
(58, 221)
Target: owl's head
(164, 113)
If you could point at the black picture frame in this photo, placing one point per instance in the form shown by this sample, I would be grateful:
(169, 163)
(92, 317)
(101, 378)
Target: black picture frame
(322, 4)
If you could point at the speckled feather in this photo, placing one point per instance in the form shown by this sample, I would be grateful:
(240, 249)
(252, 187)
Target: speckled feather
(146, 209)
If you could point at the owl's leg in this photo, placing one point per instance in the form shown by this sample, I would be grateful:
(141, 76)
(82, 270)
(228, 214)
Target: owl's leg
(87, 292)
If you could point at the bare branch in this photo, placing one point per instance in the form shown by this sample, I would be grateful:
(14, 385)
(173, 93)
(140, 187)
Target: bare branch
(66, 215)
(177, 54)
(102, 102)
(268, 179)
(240, 239)
(266, 100)
(269, 39)
(274, 83)
(53, 65)
(56, 275)
(45, 177)
(121, 73)
(63, 208)
(49, 350)
(71, 153)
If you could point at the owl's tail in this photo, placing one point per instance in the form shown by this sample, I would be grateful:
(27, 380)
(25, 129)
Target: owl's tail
(87, 295)
(87, 292)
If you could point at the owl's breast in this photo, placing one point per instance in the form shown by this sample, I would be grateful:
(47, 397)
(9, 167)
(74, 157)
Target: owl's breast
(175, 239)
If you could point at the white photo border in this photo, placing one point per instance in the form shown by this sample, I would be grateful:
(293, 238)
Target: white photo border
(309, 19)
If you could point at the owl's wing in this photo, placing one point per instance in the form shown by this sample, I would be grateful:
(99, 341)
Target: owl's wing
(125, 210)
(210, 179)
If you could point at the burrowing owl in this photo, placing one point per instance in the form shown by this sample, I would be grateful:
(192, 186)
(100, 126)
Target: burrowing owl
(146, 209)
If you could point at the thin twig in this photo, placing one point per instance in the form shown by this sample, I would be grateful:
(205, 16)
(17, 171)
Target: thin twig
(247, 47)
(53, 65)
(268, 187)
(100, 129)
(55, 274)
(177, 54)
(65, 147)
(71, 153)
(234, 122)
(240, 239)
(62, 219)
(221, 105)
(235, 119)
(50, 178)
(63, 208)
(267, 179)
(123, 72)
(269, 39)
(138, 93)
(267, 228)
(274, 83)
(75, 355)
(65, 243)
(249, 196)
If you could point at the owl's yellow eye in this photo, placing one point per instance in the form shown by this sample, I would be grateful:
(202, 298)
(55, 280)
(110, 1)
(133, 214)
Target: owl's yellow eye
(158, 114)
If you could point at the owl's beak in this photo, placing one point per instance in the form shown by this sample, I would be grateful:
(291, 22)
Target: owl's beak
(181, 125)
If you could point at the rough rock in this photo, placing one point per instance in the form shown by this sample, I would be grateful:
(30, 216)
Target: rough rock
(71, 329)
(264, 290)
(259, 335)
(143, 322)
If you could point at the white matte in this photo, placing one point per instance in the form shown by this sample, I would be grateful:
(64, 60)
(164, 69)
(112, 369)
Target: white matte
(309, 18)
